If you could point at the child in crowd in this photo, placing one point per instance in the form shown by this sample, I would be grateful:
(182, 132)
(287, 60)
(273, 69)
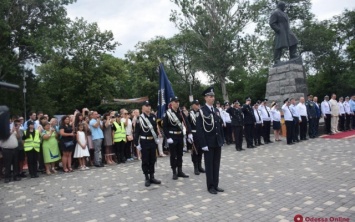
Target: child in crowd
(81, 149)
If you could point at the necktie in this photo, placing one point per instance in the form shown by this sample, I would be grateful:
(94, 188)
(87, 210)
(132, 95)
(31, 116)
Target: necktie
(268, 114)
(258, 114)
(212, 109)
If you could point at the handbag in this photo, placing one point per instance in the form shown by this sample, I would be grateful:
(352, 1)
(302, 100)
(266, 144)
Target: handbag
(68, 144)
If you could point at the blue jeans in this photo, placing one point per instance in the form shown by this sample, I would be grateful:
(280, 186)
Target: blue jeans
(97, 146)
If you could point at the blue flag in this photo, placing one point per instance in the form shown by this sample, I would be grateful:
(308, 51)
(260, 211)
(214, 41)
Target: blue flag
(165, 92)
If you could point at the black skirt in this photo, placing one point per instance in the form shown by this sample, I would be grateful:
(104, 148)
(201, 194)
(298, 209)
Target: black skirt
(276, 125)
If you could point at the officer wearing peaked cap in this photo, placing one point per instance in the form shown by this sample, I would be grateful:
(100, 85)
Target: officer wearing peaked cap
(210, 135)
(146, 140)
(249, 122)
(196, 154)
(237, 118)
(173, 123)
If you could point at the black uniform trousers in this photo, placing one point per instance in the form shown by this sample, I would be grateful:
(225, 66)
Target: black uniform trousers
(196, 158)
(296, 129)
(266, 131)
(119, 149)
(311, 127)
(289, 130)
(128, 149)
(342, 122)
(303, 128)
(32, 157)
(228, 133)
(347, 121)
(316, 127)
(149, 156)
(176, 152)
(353, 121)
(248, 133)
(212, 164)
(257, 133)
(327, 123)
(238, 136)
(10, 157)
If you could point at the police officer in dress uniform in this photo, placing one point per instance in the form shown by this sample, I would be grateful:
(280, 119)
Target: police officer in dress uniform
(173, 123)
(312, 116)
(236, 115)
(210, 135)
(249, 122)
(196, 154)
(146, 140)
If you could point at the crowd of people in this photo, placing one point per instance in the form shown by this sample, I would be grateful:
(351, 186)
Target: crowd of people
(87, 139)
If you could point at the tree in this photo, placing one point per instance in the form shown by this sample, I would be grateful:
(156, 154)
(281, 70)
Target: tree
(218, 27)
(80, 73)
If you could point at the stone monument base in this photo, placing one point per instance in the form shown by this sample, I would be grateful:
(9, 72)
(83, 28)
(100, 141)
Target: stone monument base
(286, 81)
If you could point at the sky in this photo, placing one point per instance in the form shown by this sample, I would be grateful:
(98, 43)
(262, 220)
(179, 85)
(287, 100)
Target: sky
(132, 21)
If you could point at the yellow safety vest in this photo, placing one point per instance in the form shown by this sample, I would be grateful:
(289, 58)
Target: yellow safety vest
(120, 133)
(32, 143)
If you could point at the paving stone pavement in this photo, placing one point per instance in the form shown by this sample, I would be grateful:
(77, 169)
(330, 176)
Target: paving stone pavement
(273, 182)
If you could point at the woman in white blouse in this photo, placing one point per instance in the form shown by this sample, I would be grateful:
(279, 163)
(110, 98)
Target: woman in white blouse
(276, 118)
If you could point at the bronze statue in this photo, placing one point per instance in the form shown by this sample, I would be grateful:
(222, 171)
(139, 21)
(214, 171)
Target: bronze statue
(284, 38)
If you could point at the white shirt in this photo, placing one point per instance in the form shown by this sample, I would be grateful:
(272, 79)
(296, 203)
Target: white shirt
(334, 108)
(265, 113)
(347, 107)
(276, 115)
(287, 113)
(341, 108)
(128, 127)
(226, 117)
(294, 111)
(257, 115)
(302, 109)
(325, 107)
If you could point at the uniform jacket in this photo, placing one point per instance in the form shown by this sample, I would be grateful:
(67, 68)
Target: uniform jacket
(139, 131)
(249, 118)
(192, 120)
(167, 126)
(311, 109)
(208, 136)
(236, 116)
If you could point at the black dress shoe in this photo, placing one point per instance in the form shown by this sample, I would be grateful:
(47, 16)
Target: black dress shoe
(212, 191)
(261, 144)
(17, 178)
(242, 149)
(155, 181)
(147, 183)
(35, 176)
(239, 150)
(269, 141)
(175, 177)
(7, 180)
(182, 174)
(97, 165)
(219, 189)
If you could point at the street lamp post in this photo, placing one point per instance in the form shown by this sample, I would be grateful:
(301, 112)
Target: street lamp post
(24, 95)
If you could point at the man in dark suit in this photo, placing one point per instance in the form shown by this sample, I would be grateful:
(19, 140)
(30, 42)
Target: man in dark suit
(236, 115)
(312, 116)
(209, 126)
(249, 122)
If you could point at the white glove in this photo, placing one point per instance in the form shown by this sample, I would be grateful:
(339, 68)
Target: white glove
(170, 141)
(139, 147)
(190, 138)
(205, 148)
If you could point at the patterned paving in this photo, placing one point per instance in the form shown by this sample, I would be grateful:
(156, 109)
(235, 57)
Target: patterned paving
(271, 183)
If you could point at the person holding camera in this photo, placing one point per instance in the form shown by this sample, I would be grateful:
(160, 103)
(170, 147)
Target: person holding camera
(97, 137)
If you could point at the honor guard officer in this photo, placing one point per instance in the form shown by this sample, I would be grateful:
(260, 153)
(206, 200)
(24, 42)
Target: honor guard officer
(173, 123)
(210, 136)
(196, 154)
(146, 140)
(236, 115)
(266, 116)
(249, 122)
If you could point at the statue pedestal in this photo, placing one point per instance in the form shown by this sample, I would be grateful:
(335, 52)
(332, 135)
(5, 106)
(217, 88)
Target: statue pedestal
(286, 81)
